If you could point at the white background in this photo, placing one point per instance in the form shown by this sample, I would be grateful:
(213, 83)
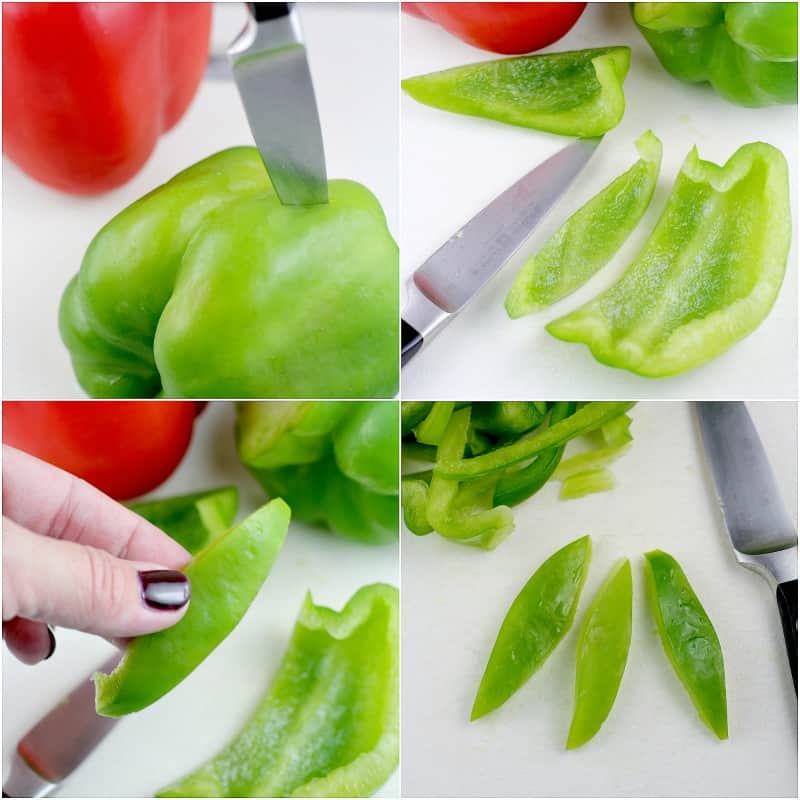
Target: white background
(653, 744)
(353, 53)
(147, 750)
(453, 165)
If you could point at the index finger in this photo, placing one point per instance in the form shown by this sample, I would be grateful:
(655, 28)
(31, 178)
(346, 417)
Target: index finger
(51, 502)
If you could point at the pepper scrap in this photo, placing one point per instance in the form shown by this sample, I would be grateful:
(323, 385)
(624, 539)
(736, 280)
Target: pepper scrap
(328, 726)
(225, 578)
(209, 287)
(192, 520)
(537, 621)
(574, 93)
(689, 638)
(746, 51)
(334, 462)
(707, 276)
(587, 241)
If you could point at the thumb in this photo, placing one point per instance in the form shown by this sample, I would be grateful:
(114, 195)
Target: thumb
(81, 587)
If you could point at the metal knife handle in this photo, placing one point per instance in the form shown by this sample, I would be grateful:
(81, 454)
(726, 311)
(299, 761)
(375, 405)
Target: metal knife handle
(411, 340)
(263, 12)
(787, 605)
(421, 320)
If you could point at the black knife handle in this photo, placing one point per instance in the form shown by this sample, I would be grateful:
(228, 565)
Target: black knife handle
(787, 605)
(263, 12)
(411, 340)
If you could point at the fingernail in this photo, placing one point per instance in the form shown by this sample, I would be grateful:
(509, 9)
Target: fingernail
(164, 589)
(52, 642)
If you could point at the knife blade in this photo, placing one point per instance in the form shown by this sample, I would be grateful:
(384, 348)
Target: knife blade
(59, 742)
(761, 531)
(272, 75)
(457, 271)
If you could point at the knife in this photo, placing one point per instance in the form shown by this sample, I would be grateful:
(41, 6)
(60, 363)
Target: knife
(457, 271)
(763, 534)
(59, 742)
(271, 70)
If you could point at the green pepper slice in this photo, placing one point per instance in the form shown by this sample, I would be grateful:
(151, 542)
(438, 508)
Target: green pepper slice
(588, 240)
(603, 645)
(574, 93)
(689, 638)
(707, 276)
(225, 578)
(328, 725)
(537, 621)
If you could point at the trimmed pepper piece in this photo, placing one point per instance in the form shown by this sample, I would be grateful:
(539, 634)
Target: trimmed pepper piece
(507, 418)
(590, 481)
(746, 51)
(588, 240)
(192, 520)
(689, 638)
(707, 276)
(537, 621)
(328, 726)
(603, 645)
(209, 287)
(432, 428)
(225, 578)
(574, 93)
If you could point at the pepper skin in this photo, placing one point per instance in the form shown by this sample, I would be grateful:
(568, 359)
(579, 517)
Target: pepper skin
(537, 621)
(588, 240)
(688, 637)
(225, 578)
(209, 287)
(575, 93)
(88, 88)
(603, 645)
(746, 51)
(707, 276)
(329, 724)
(335, 463)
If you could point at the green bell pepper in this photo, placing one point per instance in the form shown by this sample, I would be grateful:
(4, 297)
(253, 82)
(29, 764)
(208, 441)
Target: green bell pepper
(576, 93)
(603, 645)
(209, 287)
(746, 51)
(192, 520)
(688, 637)
(707, 276)
(590, 481)
(537, 621)
(587, 241)
(335, 462)
(328, 726)
(225, 578)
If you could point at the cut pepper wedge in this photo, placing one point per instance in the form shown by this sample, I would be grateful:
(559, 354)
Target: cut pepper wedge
(329, 724)
(707, 276)
(588, 240)
(574, 93)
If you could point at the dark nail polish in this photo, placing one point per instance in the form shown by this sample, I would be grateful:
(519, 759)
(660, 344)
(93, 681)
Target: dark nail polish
(164, 589)
(52, 642)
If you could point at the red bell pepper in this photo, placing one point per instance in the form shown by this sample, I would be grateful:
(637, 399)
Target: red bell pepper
(508, 28)
(89, 87)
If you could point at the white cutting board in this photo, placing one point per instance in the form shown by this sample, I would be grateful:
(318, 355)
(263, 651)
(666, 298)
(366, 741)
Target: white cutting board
(653, 743)
(353, 53)
(149, 749)
(453, 165)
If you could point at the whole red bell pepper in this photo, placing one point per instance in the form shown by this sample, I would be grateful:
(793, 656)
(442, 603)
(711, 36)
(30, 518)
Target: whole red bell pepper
(502, 27)
(89, 87)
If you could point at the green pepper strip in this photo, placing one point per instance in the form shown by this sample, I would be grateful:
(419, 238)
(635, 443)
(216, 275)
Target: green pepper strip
(590, 460)
(585, 419)
(537, 621)
(507, 418)
(415, 500)
(603, 645)
(617, 431)
(588, 482)
(588, 240)
(412, 413)
(328, 725)
(225, 578)
(432, 428)
(689, 638)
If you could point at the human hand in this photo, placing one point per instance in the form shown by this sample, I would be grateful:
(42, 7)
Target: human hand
(74, 557)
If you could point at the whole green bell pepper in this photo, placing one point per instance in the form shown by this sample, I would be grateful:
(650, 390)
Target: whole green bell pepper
(335, 462)
(746, 51)
(329, 724)
(209, 287)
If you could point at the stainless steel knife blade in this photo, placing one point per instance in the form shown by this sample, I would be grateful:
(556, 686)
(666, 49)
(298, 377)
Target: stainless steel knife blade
(271, 70)
(458, 270)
